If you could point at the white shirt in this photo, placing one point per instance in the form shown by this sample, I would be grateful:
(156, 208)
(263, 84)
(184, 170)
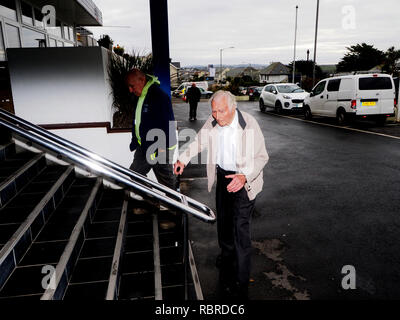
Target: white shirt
(227, 144)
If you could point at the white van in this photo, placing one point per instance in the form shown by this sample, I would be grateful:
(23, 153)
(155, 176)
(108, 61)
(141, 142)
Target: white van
(362, 96)
(181, 90)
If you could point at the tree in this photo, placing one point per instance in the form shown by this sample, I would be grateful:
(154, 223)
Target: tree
(305, 67)
(123, 102)
(361, 57)
(392, 57)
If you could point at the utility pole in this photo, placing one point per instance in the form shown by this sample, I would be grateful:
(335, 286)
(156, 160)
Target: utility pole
(220, 62)
(294, 56)
(308, 55)
(315, 43)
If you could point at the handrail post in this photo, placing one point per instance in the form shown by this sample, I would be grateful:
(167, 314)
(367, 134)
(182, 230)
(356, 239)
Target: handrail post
(185, 242)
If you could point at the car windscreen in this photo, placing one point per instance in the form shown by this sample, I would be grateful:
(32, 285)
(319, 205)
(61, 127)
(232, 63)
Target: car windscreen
(375, 83)
(289, 89)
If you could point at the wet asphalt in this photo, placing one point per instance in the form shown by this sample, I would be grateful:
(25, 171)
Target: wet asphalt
(331, 199)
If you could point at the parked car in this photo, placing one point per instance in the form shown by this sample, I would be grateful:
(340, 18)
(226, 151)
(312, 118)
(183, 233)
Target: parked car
(362, 96)
(282, 96)
(253, 92)
(205, 94)
(242, 90)
(181, 90)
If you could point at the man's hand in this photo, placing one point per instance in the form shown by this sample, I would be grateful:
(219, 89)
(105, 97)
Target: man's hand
(237, 183)
(178, 168)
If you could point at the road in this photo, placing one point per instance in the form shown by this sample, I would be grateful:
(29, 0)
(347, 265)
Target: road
(331, 198)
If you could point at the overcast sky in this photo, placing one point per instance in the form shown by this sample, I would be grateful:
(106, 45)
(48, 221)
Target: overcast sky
(261, 31)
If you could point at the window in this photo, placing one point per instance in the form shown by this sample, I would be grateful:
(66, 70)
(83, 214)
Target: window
(266, 89)
(319, 88)
(13, 39)
(52, 43)
(66, 32)
(272, 89)
(333, 85)
(2, 51)
(71, 34)
(31, 38)
(375, 83)
(60, 44)
(8, 9)
(38, 18)
(27, 13)
(56, 31)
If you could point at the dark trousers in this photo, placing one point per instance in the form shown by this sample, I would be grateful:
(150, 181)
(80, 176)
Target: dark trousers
(193, 110)
(234, 211)
(163, 172)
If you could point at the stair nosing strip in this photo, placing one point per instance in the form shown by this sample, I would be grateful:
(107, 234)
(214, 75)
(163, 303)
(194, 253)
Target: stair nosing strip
(62, 264)
(115, 265)
(10, 245)
(157, 260)
(21, 170)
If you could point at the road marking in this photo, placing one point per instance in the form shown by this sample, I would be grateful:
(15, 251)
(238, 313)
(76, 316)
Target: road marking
(334, 126)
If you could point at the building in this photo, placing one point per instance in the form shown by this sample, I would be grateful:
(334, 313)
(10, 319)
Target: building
(276, 72)
(242, 72)
(174, 69)
(23, 25)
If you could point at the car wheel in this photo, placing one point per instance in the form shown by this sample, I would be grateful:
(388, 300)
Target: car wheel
(262, 105)
(307, 113)
(341, 117)
(278, 107)
(380, 121)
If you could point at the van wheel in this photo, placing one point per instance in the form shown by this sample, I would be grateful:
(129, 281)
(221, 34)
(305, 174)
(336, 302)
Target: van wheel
(262, 105)
(278, 107)
(307, 113)
(380, 121)
(341, 117)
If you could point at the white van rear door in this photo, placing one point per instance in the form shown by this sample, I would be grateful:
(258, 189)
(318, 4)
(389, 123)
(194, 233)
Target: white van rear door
(375, 95)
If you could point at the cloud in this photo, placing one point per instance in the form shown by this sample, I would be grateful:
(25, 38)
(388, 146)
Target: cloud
(260, 30)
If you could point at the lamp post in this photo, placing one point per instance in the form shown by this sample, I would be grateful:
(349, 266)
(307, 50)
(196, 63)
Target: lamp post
(295, 38)
(220, 62)
(315, 43)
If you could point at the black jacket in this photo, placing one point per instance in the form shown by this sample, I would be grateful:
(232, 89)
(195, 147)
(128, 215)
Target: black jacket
(193, 94)
(157, 113)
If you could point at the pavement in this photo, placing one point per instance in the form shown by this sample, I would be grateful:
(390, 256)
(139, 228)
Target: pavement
(331, 199)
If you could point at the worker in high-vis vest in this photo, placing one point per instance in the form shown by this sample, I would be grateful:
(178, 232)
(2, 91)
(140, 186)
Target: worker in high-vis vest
(153, 117)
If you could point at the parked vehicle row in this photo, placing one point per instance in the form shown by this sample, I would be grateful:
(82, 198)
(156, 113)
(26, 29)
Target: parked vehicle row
(370, 97)
(350, 97)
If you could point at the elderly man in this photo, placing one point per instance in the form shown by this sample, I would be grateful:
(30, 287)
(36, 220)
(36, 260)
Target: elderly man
(236, 156)
(153, 113)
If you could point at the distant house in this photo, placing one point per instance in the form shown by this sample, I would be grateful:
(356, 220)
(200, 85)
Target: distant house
(276, 72)
(243, 71)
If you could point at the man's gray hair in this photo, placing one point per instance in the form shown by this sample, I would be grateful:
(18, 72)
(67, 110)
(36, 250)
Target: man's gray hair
(230, 98)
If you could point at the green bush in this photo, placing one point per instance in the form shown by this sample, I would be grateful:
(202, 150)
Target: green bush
(123, 101)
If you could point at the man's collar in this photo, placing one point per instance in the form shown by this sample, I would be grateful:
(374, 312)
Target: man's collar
(241, 120)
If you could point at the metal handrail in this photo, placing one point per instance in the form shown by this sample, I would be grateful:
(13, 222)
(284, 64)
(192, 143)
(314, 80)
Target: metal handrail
(102, 166)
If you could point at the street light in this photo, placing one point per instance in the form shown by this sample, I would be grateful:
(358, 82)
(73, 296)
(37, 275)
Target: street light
(315, 44)
(220, 61)
(295, 38)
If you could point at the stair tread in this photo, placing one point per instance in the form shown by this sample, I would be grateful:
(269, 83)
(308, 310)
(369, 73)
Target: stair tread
(24, 281)
(44, 253)
(92, 291)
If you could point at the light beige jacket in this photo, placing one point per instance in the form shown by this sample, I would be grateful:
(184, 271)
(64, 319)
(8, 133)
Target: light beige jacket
(251, 154)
